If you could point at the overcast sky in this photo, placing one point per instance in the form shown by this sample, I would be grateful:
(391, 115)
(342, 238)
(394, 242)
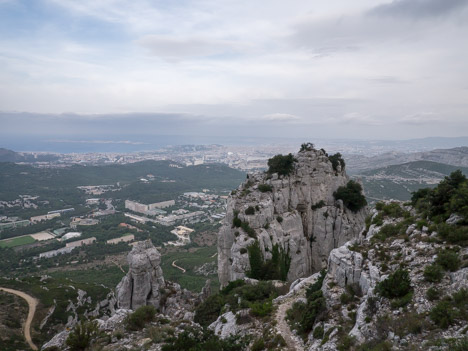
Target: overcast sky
(335, 68)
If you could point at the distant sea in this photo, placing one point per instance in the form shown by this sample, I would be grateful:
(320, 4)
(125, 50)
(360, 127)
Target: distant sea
(124, 144)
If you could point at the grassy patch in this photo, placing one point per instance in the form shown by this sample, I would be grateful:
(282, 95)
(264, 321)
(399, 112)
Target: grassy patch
(190, 261)
(18, 241)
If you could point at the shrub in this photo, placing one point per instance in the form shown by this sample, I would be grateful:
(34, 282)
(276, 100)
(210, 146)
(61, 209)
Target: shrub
(279, 219)
(236, 222)
(138, 319)
(243, 250)
(275, 268)
(307, 147)
(388, 231)
(351, 195)
(208, 311)
(264, 188)
(283, 165)
(82, 335)
(392, 209)
(304, 315)
(318, 332)
(398, 284)
(346, 343)
(336, 160)
(237, 294)
(250, 210)
(375, 345)
(261, 309)
(250, 231)
(318, 205)
(432, 294)
(195, 339)
(402, 301)
(448, 260)
(453, 234)
(443, 314)
(258, 345)
(433, 273)
(378, 220)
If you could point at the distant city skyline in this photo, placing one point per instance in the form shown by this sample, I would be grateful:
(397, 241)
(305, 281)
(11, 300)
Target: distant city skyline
(108, 70)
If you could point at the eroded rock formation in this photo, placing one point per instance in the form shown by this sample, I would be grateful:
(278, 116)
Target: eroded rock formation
(297, 212)
(141, 286)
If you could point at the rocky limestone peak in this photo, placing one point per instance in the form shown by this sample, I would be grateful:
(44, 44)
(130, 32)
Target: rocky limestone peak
(295, 214)
(141, 286)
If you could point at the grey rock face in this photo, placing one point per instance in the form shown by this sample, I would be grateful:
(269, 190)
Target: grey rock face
(311, 223)
(141, 284)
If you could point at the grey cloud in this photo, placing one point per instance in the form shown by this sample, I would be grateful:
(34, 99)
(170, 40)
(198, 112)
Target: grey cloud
(387, 80)
(174, 48)
(418, 8)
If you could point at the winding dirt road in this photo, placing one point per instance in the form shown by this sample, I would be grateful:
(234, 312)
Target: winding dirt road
(178, 267)
(32, 303)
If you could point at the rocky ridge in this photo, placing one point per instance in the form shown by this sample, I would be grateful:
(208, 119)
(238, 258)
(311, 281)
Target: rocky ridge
(300, 214)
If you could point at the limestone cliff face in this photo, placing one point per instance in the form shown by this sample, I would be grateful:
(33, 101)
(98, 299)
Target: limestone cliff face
(299, 214)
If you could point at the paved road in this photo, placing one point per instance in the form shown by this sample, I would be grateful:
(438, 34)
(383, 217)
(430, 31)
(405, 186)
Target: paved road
(32, 302)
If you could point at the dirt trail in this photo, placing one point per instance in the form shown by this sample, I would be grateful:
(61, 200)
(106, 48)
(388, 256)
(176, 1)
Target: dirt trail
(293, 342)
(178, 267)
(32, 303)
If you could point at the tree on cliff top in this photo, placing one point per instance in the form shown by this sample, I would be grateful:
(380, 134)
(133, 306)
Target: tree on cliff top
(283, 165)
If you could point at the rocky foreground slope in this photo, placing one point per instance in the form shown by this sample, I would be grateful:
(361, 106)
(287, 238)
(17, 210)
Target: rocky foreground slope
(296, 212)
(401, 284)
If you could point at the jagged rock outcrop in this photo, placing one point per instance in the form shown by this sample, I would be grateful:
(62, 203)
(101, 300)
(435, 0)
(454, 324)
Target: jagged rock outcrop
(141, 285)
(299, 214)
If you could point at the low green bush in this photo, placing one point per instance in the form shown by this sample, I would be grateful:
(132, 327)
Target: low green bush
(261, 309)
(302, 316)
(351, 195)
(208, 311)
(318, 205)
(433, 294)
(264, 188)
(433, 273)
(392, 209)
(238, 295)
(454, 234)
(138, 319)
(397, 285)
(197, 340)
(276, 268)
(337, 160)
(449, 260)
(451, 309)
(389, 231)
(307, 147)
(82, 335)
(250, 210)
(443, 314)
(279, 219)
(318, 332)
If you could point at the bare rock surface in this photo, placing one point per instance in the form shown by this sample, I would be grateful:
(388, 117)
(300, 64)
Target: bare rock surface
(141, 285)
(300, 214)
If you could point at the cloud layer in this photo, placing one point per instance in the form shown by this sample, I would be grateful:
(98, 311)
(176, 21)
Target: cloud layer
(371, 68)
